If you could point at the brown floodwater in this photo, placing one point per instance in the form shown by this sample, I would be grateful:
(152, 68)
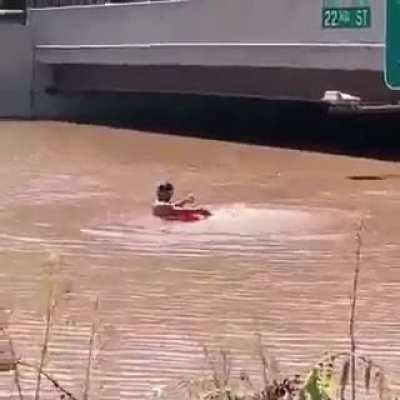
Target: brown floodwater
(276, 258)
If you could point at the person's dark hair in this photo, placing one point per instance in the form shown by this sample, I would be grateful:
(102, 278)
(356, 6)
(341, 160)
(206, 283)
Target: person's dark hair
(168, 186)
(165, 191)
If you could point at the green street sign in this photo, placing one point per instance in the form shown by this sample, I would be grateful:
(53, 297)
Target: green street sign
(346, 17)
(392, 56)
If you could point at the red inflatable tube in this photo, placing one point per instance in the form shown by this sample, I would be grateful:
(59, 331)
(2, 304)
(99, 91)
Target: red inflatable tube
(187, 215)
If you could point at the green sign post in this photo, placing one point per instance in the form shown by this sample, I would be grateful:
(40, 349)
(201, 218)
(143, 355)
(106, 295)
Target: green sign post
(392, 67)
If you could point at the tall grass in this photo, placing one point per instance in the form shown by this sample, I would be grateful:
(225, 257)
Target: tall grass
(354, 297)
(93, 333)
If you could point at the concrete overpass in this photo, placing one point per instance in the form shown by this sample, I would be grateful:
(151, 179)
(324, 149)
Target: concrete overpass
(252, 47)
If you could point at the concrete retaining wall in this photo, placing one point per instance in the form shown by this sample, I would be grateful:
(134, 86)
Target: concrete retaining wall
(221, 38)
(254, 33)
(206, 21)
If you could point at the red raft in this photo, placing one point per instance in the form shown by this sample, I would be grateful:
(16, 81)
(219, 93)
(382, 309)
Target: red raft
(188, 215)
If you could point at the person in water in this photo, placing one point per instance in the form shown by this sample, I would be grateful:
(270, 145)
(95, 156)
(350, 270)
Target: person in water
(164, 208)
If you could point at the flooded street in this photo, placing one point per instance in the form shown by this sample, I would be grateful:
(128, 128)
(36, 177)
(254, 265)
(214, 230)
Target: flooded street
(276, 258)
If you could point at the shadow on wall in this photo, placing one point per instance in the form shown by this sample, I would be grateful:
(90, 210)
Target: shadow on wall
(12, 4)
(282, 123)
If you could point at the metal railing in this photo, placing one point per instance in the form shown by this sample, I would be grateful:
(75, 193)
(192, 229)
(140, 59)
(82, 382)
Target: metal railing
(65, 3)
(13, 11)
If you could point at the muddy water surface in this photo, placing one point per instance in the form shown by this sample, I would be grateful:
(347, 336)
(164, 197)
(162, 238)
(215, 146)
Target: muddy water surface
(275, 259)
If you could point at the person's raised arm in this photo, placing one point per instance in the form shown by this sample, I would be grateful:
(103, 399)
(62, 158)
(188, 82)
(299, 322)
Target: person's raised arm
(189, 199)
